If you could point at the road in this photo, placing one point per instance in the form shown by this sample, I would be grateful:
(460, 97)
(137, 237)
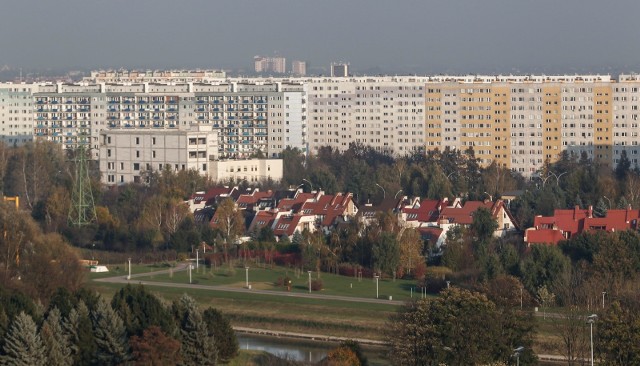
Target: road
(182, 267)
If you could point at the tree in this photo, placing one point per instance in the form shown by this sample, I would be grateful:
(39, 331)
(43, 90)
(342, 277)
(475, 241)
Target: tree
(140, 310)
(230, 222)
(80, 330)
(410, 250)
(544, 265)
(386, 254)
(483, 225)
(155, 348)
(618, 341)
(23, 345)
(221, 331)
(357, 350)
(458, 328)
(341, 356)
(198, 347)
(110, 335)
(56, 340)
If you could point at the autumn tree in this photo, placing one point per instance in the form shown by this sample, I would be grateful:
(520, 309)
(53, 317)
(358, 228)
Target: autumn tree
(411, 246)
(230, 222)
(155, 348)
(618, 335)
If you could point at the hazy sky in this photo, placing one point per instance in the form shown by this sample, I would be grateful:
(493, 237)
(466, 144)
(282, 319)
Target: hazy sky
(417, 36)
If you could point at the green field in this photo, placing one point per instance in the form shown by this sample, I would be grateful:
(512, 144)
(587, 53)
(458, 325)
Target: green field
(267, 279)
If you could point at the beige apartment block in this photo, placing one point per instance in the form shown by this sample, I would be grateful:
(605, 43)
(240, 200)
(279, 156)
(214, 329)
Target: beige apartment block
(129, 155)
(250, 170)
(16, 113)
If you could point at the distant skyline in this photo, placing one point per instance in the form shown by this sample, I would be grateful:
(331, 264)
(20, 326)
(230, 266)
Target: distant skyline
(404, 37)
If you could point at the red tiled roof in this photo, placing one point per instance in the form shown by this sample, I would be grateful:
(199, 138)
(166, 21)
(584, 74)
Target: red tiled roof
(247, 200)
(464, 215)
(328, 207)
(428, 211)
(288, 204)
(211, 193)
(262, 219)
(286, 225)
(543, 236)
(432, 233)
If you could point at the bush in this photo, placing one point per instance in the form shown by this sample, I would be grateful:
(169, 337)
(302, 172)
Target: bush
(316, 285)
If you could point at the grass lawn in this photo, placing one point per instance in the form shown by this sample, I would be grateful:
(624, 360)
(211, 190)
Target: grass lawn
(266, 279)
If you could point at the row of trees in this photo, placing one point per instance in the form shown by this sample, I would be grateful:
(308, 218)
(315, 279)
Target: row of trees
(85, 329)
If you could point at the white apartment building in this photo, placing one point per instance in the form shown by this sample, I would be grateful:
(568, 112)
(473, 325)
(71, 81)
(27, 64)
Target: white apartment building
(127, 154)
(250, 170)
(299, 68)
(16, 113)
(155, 76)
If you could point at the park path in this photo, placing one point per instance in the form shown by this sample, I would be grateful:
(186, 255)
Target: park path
(137, 279)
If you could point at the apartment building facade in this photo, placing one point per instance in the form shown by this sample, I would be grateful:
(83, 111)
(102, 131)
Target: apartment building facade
(16, 113)
(519, 122)
(248, 118)
(127, 154)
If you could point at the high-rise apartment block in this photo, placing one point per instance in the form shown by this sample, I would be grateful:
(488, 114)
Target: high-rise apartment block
(276, 65)
(299, 68)
(518, 122)
(339, 70)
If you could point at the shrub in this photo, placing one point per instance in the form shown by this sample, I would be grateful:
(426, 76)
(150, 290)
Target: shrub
(316, 285)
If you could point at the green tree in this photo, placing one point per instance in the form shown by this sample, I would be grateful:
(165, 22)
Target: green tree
(198, 347)
(80, 330)
(483, 225)
(140, 309)
(230, 222)
(23, 345)
(544, 265)
(56, 340)
(386, 253)
(458, 328)
(618, 336)
(110, 335)
(221, 331)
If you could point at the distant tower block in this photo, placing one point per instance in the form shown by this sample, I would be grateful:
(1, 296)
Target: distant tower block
(83, 209)
(299, 68)
(339, 69)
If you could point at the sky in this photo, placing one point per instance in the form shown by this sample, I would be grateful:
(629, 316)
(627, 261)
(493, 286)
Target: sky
(374, 36)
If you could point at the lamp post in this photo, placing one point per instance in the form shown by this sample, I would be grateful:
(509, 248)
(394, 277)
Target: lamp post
(384, 193)
(190, 266)
(516, 354)
(592, 319)
(603, 293)
(309, 281)
(197, 258)
(377, 278)
(608, 200)
(310, 185)
(396, 195)
(246, 276)
(129, 276)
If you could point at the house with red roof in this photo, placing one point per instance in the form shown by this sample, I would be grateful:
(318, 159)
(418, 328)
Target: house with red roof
(251, 201)
(425, 212)
(200, 200)
(329, 210)
(451, 216)
(566, 223)
(289, 224)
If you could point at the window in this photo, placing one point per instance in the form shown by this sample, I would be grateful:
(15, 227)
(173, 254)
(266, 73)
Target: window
(137, 140)
(136, 166)
(153, 140)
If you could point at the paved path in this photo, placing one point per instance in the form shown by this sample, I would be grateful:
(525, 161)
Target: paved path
(313, 337)
(123, 280)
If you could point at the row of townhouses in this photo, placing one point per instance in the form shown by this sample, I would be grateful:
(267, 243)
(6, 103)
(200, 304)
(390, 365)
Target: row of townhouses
(517, 121)
(291, 211)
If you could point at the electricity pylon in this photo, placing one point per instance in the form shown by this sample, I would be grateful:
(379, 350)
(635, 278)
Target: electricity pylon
(83, 209)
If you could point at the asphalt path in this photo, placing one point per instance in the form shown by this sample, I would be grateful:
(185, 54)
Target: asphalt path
(136, 279)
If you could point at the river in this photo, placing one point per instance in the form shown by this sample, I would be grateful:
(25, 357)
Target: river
(300, 349)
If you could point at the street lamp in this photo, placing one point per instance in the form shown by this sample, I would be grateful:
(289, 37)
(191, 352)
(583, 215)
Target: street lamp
(603, 293)
(384, 193)
(129, 276)
(309, 281)
(396, 195)
(377, 277)
(516, 353)
(490, 196)
(190, 266)
(592, 319)
(608, 200)
(197, 258)
(246, 276)
(310, 185)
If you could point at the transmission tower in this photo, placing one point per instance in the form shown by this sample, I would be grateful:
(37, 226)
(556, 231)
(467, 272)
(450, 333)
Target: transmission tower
(83, 209)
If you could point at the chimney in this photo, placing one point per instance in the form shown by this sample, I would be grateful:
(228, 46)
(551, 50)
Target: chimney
(590, 211)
